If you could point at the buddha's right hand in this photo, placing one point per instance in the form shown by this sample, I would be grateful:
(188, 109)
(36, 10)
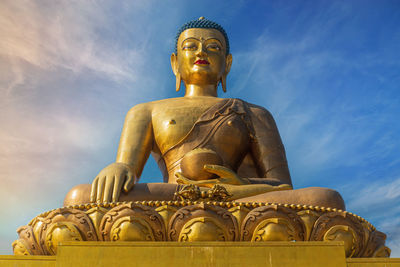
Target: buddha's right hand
(109, 182)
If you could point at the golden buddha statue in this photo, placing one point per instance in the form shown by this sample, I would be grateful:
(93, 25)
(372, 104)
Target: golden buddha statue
(201, 139)
(225, 172)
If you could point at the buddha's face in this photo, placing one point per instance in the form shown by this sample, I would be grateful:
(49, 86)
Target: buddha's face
(201, 56)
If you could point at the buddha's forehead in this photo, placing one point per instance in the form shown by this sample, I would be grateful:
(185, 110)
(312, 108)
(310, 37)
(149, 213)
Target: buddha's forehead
(200, 33)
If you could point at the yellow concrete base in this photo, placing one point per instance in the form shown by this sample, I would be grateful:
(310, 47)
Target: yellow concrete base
(27, 261)
(205, 254)
(271, 254)
(373, 262)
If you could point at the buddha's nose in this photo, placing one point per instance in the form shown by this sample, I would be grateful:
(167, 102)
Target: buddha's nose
(201, 52)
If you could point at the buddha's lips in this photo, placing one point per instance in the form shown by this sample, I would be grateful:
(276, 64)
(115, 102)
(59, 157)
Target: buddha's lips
(202, 62)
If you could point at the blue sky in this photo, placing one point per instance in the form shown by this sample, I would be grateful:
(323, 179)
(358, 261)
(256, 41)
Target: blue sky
(329, 72)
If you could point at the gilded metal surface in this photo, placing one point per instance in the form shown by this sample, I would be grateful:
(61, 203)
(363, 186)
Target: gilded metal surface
(96, 214)
(273, 223)
(308, 217)
(60, 231)
(188, 192)
(192, 164)
(166, 212)
(199, 221)
(171, 129)
(192, 193)
(228, 145)
(27, 244)
(337, 226)
(203, 222)
(132, 222)
(198, 254)
(240, 212)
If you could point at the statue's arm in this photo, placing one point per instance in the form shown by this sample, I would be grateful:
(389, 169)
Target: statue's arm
(267, 149)
(134, 149)
(136, 139)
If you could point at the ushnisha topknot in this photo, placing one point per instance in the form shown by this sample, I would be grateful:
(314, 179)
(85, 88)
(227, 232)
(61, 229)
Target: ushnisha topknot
(202, 23)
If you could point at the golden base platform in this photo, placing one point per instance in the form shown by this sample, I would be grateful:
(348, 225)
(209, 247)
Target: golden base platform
(268, 254)
(195, 221)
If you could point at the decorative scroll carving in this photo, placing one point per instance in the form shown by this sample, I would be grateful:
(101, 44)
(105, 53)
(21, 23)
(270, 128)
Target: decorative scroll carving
(203, 222)
(27, 244)
(64, 224)
(96, 214)
(166, 212)
(339, 226)
(36, 225)
(240, 212)
(20, 247)
(132, 222)
(272, 223)
(61, 231)
(375, 247)
(308, 217)
(199, 221)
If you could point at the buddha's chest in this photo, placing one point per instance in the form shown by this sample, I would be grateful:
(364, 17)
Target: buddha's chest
(223, 134)
(172, 123)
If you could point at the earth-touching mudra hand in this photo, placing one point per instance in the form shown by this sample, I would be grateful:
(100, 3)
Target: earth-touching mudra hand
(110, 181)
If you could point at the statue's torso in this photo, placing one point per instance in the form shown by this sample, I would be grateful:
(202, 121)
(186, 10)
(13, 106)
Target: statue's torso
(172, 120)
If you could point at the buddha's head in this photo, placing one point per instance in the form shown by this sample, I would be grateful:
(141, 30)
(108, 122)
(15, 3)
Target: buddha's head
(201, 55)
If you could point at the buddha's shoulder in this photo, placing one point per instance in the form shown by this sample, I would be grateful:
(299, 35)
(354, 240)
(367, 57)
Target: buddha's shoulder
(257, 110)
(255, 107)
(148, 106)
(154, 106)
(141, 110)
(177, 102)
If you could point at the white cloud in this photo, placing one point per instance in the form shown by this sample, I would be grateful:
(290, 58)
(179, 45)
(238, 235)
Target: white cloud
(391, 226)
(69, 74)
(64, 35)
(378, 193)
(378, 202)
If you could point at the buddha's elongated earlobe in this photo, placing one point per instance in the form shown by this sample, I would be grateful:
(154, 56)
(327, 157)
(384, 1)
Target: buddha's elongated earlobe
(227, 69)
(223, 83)
(178, 81)
(174, 65)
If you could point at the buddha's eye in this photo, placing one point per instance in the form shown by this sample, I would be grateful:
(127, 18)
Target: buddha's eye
(189, 46)
(213, 47)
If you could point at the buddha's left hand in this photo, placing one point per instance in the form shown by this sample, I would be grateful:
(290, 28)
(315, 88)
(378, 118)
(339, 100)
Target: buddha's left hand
(226, 176)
